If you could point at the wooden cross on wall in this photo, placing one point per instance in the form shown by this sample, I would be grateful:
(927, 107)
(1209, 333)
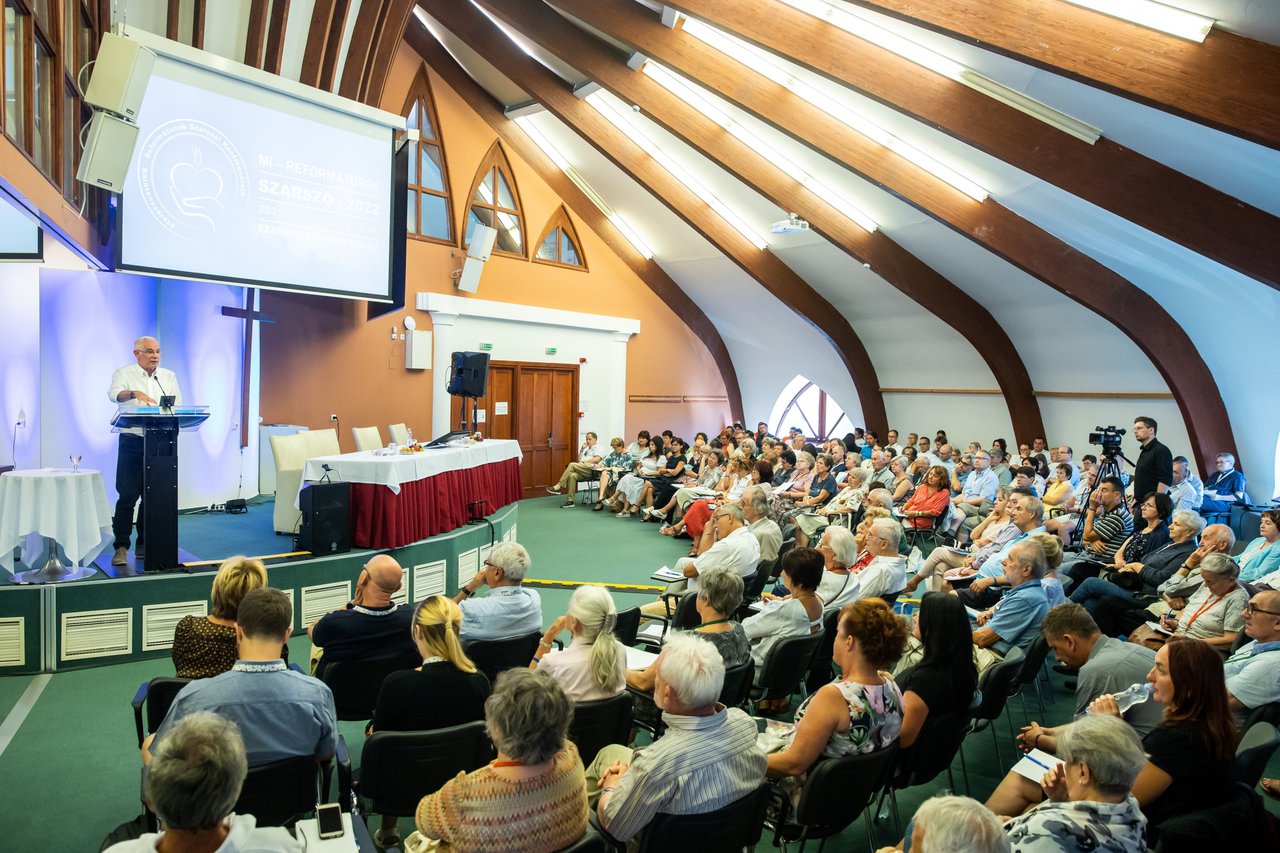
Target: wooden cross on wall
(249, 314)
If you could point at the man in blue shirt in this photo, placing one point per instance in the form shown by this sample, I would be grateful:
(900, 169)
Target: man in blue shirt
(281, 713)
(978, 491)
(1027, 512)
(1016, 617)
(1225, 488)
(509, 610)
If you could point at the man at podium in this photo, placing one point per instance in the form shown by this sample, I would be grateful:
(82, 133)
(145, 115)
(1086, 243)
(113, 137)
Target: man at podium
(141, 384)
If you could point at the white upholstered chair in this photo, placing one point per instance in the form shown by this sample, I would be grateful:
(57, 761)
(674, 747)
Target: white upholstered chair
(290, 453)
(399, 434)
(367, 438)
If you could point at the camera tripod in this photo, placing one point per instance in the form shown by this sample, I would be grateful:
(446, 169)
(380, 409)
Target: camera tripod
(1108, 466)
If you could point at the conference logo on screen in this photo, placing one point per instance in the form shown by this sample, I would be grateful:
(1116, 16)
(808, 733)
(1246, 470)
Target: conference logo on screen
(192, 179)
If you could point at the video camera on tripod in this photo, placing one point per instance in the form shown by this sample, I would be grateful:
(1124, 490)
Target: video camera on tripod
(1108, 438)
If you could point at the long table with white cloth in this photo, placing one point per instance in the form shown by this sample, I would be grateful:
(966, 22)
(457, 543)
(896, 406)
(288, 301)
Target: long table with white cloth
(402, 498)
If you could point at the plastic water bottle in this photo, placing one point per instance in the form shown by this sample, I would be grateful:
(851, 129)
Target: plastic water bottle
(1134, 695)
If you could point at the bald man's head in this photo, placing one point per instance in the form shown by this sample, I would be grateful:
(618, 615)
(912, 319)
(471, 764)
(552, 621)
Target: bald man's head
(1219, 535)
(380, 578)
(1262, 617)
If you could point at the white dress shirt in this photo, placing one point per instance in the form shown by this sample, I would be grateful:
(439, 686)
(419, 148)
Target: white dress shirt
(594, 451)
(162, 383)
(739, 552)
(882, 576)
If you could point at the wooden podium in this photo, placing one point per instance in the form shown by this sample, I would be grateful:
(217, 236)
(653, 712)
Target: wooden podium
(160, 428)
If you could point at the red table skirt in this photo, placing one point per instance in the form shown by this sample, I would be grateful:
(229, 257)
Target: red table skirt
(381, 518)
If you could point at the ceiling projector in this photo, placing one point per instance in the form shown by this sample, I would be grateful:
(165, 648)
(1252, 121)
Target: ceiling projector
(793, 224)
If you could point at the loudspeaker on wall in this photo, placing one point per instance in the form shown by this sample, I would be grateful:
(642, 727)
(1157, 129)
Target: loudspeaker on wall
(120, 75)
(107, 152)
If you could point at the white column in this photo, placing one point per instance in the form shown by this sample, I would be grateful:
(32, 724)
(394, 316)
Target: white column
(617, 403)
(444, 325)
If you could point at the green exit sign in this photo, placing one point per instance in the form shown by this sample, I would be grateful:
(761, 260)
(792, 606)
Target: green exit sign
(486, 346)
(551, 350)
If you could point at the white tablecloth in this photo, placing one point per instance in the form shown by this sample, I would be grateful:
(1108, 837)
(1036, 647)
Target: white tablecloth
(70, 507)
(366, 466)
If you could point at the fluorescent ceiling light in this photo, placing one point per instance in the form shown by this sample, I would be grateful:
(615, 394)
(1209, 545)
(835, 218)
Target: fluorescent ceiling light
(624, 119)
(856, 24)
(1156, 16)
(703, 102)
(548, 147)
(764, 63)
(1023, 103)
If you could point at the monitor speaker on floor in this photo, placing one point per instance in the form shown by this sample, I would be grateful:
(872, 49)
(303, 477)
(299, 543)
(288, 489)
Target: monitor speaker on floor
(326, 518)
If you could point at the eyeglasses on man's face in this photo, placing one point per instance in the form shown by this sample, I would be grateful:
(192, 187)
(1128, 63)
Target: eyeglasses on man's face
(1251, 608)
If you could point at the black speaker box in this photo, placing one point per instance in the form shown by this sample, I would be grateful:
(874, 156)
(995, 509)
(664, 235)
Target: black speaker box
(469, 374)
(326, 518)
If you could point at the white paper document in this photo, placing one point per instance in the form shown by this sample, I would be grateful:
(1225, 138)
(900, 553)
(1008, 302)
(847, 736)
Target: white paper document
(665, 574)
(639, 658)
(1035, 764)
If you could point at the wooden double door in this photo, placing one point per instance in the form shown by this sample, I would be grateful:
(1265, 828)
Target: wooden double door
(537, 405)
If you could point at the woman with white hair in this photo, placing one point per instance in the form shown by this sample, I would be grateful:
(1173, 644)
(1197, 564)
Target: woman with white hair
(840, 509)
(1214, 612)
(1090, 803)
(594, 665)
(193, 783)
(946, 824)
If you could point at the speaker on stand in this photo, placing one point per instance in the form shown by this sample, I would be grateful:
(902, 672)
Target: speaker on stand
(468, 377)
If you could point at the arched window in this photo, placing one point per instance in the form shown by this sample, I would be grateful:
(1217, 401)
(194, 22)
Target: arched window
(429, 216)
(559, 244)
(803, 404)
(495, 202)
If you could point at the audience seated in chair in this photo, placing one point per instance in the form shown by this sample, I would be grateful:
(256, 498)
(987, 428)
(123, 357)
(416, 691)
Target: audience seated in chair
(886, 572)
(795, 487)
(371, 626)
(755, 510)
(1014, 620)
(1090, 802)
(281, 713)
(612, 468)
(707, 759)
(738, 476)
(1106, 666)
(1253, 675)
(445, 691)
(840, 509)
(795, 615)
(669, 477)
(594, 664)
(995, 531)
(1261, 557)
(1106, 525)
(205, 646)
(1224, 488)
(1144, 577)
(510, 609)
(988, 577)
(977, 492)
(590, 455)
(1214, 613)
(839, 585)
(532, 799)
(645, 459)
(929, 500)
(735, 549)
(1189, 755)
(192, 785)
(946, 679)
(1187, 491)
(711, 473)
(859, 713)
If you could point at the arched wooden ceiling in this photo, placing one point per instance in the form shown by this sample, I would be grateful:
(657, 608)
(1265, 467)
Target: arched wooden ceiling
(1227, 83)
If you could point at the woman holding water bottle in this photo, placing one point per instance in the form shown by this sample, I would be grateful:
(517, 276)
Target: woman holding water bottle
(1189, 754)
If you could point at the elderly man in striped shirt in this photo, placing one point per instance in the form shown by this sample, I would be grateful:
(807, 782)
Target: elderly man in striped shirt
(707, 759)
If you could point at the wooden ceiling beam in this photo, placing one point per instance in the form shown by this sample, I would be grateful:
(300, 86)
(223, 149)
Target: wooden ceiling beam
(317, 37)
(901, 269)
(469, 25)
(274, 51)
(333, 45)
(360, 47)
(988, 224)
(1228, 82)
(390, 33)
(646, 269)
(1115, 178)
(256, 32)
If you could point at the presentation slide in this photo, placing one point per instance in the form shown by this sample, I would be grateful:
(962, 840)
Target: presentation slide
(233, 182)
(19, 236)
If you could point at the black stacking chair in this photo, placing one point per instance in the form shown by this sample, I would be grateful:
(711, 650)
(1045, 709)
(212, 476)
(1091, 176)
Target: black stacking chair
(282, 792)
(835, 792)
(626, 625)
(493, 656)
(785, 666)
(355, 683)
(736, 691)
(152, 700)
(934, 751)
(598, 724)
(1254, 751)
(737, 826)
(996, 685)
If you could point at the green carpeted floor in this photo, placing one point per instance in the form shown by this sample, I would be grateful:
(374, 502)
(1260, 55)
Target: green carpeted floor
(73, 763)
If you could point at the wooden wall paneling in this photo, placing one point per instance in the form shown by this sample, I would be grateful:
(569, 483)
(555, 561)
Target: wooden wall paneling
(647, 270)
(360, 47)
(273, 52)
(472, 27)
(1228, 82)
(988, 224)
(255, 33)
(391, 32)
(1134, 187)
(901, 269)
